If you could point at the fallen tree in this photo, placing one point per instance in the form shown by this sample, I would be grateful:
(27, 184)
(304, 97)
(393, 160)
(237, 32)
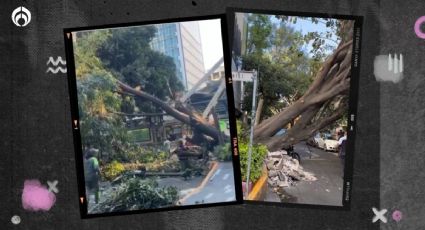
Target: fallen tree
(328, 91)
(183, 114)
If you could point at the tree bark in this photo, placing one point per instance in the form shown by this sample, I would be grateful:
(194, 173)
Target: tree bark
(332, 79)
(301, 130)
(258, 112)
(315, 94)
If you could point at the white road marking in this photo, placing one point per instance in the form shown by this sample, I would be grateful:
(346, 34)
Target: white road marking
(226, 176)
(208, 196)
(215, 174)
(228, 190)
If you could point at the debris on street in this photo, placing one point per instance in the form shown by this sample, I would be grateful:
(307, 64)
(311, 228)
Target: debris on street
(284, 171)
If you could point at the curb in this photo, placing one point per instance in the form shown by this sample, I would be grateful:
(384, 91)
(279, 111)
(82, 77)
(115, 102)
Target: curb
(257, 190)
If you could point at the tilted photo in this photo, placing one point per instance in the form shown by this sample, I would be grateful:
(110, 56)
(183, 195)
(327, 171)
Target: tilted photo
(151, 116)
(295, 87)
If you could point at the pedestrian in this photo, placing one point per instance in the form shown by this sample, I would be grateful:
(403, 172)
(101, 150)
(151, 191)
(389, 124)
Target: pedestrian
(167, 146)
(340, 133)
(92, 174)
(341, 143)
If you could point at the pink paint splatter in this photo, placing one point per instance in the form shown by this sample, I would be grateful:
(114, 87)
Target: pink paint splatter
(397, 215)
(37, 197)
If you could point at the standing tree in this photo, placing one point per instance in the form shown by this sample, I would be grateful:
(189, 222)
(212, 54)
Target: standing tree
(128, 55)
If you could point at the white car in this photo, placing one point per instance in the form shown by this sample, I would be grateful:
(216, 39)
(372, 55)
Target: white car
(325, 142)
(331, 145)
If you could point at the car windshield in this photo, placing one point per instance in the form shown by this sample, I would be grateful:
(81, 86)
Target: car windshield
(327, 136)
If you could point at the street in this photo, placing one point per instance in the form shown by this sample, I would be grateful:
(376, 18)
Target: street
(327, 190)
(219, 187)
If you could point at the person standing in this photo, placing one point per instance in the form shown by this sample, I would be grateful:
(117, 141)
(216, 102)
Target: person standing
(341, 143)
(167, 147)
(92, 174)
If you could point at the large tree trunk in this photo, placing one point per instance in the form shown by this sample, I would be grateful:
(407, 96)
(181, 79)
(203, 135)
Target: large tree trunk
(258, 112)
(303, 129)
(196, 121)
(332, 79)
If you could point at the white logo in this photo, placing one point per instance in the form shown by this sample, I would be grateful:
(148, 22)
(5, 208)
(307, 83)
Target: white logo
(379, 215)
(52, 186)
(56, 63)
(16, 219)
(389, 67)
(21, 16)
(395, 64)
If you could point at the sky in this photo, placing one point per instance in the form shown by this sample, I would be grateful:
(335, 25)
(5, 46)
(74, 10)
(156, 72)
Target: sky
(212, 47)
(305, 26)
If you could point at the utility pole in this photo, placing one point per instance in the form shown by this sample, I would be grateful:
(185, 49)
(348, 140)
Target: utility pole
(251, 135)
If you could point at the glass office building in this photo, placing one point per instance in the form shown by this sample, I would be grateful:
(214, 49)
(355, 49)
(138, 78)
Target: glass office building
(167, 41)
(182, 42)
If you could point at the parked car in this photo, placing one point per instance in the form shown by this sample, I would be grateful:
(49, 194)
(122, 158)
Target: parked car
(331, 145)
(281, 132)
(313, 141)
(323, 141)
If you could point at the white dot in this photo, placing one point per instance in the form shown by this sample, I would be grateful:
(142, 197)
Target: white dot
(16, 219)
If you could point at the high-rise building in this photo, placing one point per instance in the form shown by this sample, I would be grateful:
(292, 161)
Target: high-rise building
(182, 42)
(240, 34)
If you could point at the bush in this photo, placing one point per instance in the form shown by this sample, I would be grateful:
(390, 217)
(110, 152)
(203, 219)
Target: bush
(259, 152)
(137, 194)
(223, 152)
(130, 155)
(112, 170)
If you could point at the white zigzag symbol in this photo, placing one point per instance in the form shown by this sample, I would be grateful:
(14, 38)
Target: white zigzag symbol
(50, 69)
(55, 63)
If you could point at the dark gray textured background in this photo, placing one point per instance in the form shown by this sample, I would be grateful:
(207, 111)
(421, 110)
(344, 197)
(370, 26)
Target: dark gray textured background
(36, 137)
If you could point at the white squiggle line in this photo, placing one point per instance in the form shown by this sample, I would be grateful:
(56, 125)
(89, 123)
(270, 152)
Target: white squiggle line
(50, 69)
(55, 63)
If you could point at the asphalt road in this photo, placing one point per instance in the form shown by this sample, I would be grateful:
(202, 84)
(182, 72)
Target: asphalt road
(219, 188)
(326, 190)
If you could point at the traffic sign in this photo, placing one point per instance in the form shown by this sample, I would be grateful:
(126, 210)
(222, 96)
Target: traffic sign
(243, 76)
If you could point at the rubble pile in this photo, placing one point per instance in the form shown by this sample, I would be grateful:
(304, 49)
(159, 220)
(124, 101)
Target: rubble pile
(283, 170)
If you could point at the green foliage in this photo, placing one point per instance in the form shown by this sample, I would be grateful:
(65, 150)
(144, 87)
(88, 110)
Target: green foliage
(101, 58)
(85, 46)
(137, 194)
(241, 130)
(128, 55)
(223, 152)
(98, 101)
(140, 135)
(112, 170)
(144, 155)
(259, 152)
(100, 127)
(323, 40)
(259, 30)
(278, 52)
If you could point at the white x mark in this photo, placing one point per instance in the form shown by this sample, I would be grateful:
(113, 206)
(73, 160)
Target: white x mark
(52, 186)
(379, 215)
